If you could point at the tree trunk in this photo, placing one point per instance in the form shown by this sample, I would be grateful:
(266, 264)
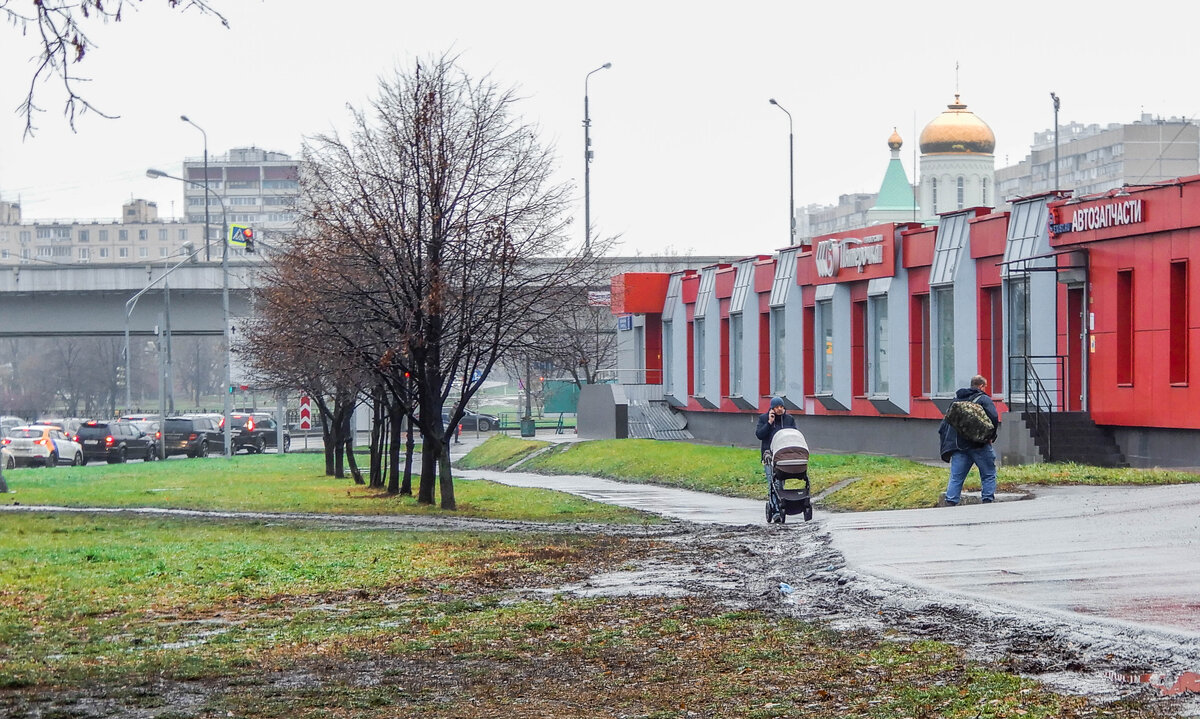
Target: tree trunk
(409, 446)
(396, 429)
(447, 482)
(430, 455)
(354, 470)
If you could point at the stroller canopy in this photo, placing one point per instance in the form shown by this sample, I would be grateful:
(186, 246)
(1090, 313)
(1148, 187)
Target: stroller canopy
(789, 450)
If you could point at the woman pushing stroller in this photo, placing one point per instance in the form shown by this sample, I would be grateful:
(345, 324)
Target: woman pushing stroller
(770, 422)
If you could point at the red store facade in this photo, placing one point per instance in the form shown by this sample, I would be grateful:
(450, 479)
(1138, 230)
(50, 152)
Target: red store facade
(1080, 311)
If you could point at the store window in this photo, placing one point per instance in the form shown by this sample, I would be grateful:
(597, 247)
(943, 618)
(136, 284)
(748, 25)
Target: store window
(943, 307)
(824, 346)
(778, 366)
(1018, 332)
(878, 342)
(1179, 322)
(735, 355)
(700, 369)
(668, 350)
(1125, 327)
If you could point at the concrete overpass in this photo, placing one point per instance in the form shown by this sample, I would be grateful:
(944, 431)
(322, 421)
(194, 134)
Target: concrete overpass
(88, 300)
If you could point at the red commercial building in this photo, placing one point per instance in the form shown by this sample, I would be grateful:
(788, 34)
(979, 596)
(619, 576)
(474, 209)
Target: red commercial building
(1080, 311)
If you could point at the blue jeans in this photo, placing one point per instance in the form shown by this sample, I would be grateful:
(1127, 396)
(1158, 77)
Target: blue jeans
(960, 463)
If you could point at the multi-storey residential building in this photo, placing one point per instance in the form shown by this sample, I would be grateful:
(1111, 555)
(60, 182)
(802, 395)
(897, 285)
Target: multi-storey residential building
(1094, 159)
(138, 236)
(258, 187)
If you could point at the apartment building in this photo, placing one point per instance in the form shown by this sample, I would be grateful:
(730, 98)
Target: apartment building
(137, 236)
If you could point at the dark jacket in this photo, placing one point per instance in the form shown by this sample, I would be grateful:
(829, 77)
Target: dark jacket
(951, 442)
(766, 430)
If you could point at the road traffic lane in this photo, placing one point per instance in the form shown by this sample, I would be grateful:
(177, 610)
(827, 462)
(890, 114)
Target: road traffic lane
(1122, 553)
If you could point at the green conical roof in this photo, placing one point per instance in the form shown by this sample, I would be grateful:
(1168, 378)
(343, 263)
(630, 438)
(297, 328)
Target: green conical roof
(895, 193)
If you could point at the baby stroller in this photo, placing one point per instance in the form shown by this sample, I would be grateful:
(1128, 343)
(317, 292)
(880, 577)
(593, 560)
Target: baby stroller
(787, 460)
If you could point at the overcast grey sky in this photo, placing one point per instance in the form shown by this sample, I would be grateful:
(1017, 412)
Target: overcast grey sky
(690, 157)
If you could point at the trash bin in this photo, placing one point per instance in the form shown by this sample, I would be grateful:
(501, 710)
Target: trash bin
(528, 427)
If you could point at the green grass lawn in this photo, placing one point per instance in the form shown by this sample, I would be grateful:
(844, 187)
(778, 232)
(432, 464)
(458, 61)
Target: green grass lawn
(283, 483)
(881, 482)
(266, 620)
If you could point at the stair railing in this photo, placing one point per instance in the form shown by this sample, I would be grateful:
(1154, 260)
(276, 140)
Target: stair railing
(1038, 399)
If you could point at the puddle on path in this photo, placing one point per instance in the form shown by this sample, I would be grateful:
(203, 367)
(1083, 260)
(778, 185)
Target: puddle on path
(1168, 685)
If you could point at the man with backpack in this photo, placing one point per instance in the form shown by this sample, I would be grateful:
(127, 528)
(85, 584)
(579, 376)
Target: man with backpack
(962, 451)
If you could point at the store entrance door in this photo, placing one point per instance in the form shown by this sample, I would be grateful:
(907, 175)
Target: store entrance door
(1075, 389)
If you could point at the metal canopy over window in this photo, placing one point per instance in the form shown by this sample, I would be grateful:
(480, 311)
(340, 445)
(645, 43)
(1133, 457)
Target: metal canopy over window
(951, 238)
(1027, 235)
(741, 286)
(879, 286)
(824, 292)
(674, 289)
(785, 275)
(708, 277)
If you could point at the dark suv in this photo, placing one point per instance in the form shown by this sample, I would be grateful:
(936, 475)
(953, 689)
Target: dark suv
(193, 436)
(114, 442)
(255, 431)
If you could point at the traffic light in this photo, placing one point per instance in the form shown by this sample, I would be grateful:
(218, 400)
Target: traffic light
(241, 236)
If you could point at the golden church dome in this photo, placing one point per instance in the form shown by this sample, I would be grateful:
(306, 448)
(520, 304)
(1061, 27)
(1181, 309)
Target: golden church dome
(894, 141)
(957, 130)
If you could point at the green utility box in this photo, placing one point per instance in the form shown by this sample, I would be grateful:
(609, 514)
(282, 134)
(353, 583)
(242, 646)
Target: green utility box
(528, 427)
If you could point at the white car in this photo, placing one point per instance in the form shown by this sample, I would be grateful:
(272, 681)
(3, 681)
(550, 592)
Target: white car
(42, 445)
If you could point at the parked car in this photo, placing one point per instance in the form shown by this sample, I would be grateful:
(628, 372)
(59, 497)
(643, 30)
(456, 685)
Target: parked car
(151, 428)
(42, 445)
(191, 435)
(114, 441)
(7, 458)
(472, 421)
(67, 424)
(7, 422)
(255, 431)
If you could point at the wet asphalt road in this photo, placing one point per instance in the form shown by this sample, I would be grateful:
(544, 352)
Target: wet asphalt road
(1123, 553)
(1128, 554)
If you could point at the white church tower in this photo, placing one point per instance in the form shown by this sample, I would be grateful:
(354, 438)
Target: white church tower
(957, 164)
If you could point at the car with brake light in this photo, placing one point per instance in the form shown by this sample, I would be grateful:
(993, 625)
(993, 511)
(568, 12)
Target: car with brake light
(41, 445)
(114, 441)
(194, 436)
(256, 431)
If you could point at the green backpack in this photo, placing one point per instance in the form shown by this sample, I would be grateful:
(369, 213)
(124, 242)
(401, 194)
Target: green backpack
(970, 420)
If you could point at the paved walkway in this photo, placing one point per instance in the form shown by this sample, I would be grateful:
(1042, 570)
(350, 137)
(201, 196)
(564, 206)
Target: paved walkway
(1128, 554)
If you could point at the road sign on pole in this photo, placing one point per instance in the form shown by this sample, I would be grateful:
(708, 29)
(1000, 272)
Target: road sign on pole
(305, 414)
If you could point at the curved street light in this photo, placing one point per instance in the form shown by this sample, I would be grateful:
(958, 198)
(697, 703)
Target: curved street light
(207, 238)
(587, 164)
(791, 175)
(155, 174)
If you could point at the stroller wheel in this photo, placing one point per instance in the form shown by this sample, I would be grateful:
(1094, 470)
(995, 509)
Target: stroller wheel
(808, 513)
(770, 513)
(778, 518)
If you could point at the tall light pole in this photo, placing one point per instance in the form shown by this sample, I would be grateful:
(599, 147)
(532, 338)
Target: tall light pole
(154, 174)
(587, 164)
(791, 175)
(1055, 99)
(131, 303)
(207, 254)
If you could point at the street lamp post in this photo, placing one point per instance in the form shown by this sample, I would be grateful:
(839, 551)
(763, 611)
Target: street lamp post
(791, 176)
(131, 303)
(587, 164)
(1054, 98)
(154, 174)
(207, 254)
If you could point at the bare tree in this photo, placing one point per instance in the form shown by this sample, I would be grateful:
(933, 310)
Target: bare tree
(439, 214)
(60, 29)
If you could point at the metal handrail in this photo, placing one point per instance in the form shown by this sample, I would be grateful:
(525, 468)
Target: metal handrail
(1043, 401)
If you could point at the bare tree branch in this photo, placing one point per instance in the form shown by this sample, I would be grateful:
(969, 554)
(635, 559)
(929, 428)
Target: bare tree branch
(61, 30)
